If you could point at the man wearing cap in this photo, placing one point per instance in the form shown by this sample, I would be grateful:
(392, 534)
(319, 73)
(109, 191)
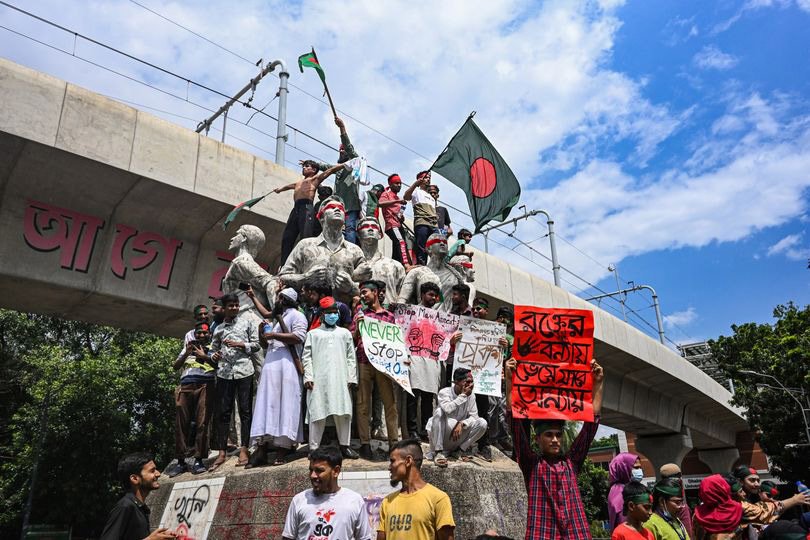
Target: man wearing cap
(424, 214)
(389, 271)
(370, 376)
(442, 215)
(671, 470)
(330, 374)
(393, 213)
(277, 413)
(455, 424)
(194, 400)
(555, 507)
(328, 256)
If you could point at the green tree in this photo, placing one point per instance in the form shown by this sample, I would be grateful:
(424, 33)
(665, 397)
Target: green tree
(782, 350)
(105, 392)
(608, 440)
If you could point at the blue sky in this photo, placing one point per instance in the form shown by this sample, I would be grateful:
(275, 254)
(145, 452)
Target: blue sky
(671, 139)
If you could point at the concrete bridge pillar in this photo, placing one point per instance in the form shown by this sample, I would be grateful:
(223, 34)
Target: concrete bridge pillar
(720, 460)
(662, 449)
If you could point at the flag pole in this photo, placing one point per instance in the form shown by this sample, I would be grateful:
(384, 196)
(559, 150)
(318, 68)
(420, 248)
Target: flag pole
(325, 87)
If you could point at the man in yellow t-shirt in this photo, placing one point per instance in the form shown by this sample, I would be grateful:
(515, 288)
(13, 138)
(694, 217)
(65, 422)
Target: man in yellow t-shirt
(418, 511)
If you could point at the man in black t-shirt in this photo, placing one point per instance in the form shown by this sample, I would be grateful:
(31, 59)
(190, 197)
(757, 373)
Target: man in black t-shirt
(129, 518)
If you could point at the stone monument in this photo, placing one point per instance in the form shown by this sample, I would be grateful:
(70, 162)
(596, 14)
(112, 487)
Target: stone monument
(384, 269)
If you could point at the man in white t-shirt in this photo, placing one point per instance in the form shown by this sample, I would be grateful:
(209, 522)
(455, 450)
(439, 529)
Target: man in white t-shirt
(327, 510)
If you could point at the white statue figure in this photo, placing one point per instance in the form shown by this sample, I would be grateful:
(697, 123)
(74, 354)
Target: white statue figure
(384, 269)
(247, 243)
(464, 266)
(328, 256)
(436, 270)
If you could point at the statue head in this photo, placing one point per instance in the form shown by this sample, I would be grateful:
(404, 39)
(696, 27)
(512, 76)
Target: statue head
(436, 245)
(249, 237)
(332, 213)
(464, 265)
(368, 230)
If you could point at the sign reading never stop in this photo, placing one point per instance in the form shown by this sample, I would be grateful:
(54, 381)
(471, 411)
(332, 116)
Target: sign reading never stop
(386, 350)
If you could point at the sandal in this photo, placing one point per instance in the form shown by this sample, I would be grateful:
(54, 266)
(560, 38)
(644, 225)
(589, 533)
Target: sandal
(440, 460)
(242, 462)
(281, 457)
(258, 458)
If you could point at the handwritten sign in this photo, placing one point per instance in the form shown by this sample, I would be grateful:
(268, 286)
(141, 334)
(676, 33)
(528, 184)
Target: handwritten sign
(554, 349)
(385, 349)
(191, 507)
(373, 487)
(480, 352)
(427, 331)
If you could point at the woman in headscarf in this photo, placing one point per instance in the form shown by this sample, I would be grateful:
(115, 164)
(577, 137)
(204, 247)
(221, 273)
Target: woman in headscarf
(667, 503)
(749, 480)
(718, 515)
(623, 468)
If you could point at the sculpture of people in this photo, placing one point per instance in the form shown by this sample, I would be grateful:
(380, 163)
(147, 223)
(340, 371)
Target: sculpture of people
(246, 244)
(328, 256)
(384, 269)
(464, 266)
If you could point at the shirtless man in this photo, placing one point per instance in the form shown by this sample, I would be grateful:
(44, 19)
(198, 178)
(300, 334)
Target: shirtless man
(301, 217)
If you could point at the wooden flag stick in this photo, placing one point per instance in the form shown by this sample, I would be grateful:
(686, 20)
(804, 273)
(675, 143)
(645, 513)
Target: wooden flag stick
(325, 87)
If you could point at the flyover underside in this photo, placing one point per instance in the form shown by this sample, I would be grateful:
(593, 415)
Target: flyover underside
(88, 241)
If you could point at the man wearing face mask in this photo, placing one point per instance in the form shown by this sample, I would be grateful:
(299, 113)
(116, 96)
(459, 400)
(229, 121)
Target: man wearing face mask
(671, 470)
(623, 469)
(330, 374)
(668, 500)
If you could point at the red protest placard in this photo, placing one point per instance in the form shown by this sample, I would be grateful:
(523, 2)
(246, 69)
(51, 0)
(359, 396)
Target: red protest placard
(554, 349)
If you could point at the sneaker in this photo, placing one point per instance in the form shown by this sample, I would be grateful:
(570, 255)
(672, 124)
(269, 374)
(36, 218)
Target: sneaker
(348, 453)
(178, 468)
(485, 453)
(365, 452)
(379, 434)
(199, 467)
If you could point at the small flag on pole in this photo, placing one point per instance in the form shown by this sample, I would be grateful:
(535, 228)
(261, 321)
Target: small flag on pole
(310, 59)
(472, 163)
(238, 208)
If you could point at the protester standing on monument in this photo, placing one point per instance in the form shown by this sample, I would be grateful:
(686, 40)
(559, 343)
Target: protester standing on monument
(277, 420)
(327, 510)
(442, 215)
(393, 217)
(370, 376)
(671, 470)
(234, 341)
(622, 469)
(330, 375)
(425, 377)
(299, 222)
(458, 298)
(383, 269)
(455, 424)
(200, 314)
(194, 400)
(217, 314)
(555, 507)
(498, 425)
(668, 500)
(424, 213)
(636, 507)
(480, 310)
(419, 510)
(129, 518)
(370, 202)
(312, 293)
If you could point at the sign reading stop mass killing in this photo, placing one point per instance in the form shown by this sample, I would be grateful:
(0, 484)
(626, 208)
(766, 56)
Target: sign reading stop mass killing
(554, 349)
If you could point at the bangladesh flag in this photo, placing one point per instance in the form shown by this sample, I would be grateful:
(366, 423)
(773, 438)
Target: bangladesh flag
(472, 163)
(238, 208)
(310, 59)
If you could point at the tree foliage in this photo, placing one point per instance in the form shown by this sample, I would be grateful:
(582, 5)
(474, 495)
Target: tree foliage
(781, 350)
(99, 393)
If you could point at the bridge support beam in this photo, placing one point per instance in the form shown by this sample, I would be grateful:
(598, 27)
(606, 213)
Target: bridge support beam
(662, 449)
(720, 460)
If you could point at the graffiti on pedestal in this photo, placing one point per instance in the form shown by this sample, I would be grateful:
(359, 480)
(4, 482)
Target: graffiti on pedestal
(191, 507)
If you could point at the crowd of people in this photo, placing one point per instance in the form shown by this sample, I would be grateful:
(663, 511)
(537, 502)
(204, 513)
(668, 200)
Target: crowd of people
(269, 388)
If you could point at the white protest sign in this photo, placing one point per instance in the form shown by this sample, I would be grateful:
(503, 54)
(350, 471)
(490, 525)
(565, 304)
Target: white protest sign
(191, 506)
(386, 349)
(426, 331)
(480, 352)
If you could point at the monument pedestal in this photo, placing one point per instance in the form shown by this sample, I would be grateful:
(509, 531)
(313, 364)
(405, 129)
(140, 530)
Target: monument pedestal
(234, 503)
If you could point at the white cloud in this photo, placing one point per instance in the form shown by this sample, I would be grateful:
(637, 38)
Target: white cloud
(710, 57)
(681, 318)
(790, 247)
(754, 5)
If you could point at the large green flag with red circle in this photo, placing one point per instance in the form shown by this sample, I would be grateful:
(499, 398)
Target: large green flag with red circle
(310, 59)
(472, 163)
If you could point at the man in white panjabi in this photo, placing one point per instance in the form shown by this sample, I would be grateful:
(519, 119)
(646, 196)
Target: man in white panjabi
(330, 373)
(277, 422)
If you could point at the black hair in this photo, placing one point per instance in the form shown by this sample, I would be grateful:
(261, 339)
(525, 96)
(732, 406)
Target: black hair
(218, 302)
(197, 308)
(670, 482)
(460, 374)
(311, 163)
(420, 174)
(229, 298)
(329, 454)
(324, 191)
(429, 286)
(320, 286)
(630, 490)
(464, 231)
(462, 288)
(410, 447)
(480, 300)
(132, 464)
(505, 311)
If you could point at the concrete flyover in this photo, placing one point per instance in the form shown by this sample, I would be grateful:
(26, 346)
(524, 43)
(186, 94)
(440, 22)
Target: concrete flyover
(112, 215)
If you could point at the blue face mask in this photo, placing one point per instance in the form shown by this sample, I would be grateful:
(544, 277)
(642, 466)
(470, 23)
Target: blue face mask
(331, 319)
(637, 474)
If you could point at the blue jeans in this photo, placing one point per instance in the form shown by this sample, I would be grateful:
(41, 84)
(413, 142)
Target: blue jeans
(422, 232)
(350, 229)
